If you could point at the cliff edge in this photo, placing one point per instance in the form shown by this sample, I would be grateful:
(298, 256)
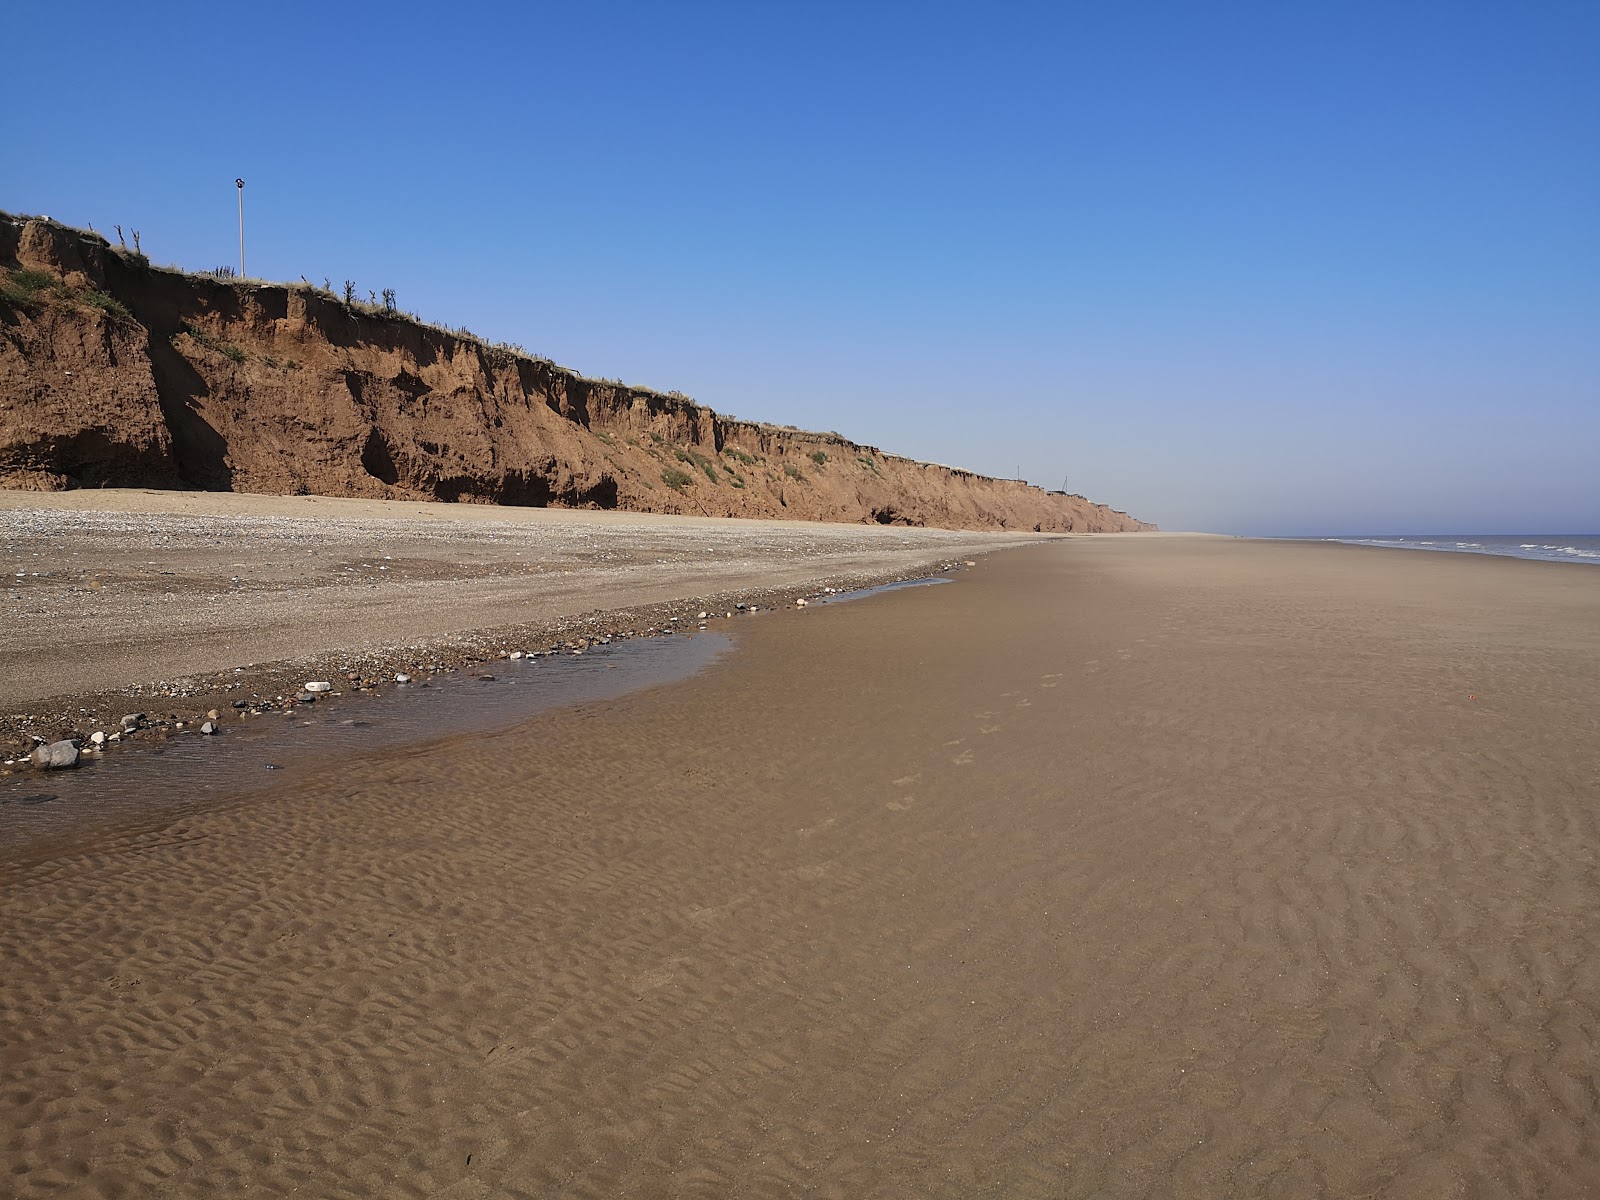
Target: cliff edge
(117, 373)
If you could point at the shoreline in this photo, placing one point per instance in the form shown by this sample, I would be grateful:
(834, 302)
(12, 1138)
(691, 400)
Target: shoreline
(1572, 556)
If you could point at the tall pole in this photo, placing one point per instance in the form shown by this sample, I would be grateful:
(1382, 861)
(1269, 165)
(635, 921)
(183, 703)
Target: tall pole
(239, 183)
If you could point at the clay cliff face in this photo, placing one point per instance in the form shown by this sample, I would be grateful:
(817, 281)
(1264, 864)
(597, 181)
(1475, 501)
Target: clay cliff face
(114, 373)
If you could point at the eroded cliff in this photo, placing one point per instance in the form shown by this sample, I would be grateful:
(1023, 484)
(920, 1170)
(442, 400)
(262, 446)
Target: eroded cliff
(116, 373)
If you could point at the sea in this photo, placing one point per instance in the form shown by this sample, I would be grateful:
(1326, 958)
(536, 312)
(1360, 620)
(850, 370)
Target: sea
(1547, 547)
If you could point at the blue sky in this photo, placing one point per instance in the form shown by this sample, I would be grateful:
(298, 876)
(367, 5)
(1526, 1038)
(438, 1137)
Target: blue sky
(1247, 267)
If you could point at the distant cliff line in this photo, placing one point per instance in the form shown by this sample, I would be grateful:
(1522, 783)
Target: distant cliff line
(117, 373)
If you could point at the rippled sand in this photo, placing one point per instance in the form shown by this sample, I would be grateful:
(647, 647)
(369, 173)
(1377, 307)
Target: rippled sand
(1168, 868)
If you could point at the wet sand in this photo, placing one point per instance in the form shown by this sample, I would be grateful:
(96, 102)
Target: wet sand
(1114, 868)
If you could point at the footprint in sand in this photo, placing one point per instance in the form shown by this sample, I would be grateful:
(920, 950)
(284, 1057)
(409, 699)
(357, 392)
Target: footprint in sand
(1050, 680)
(955, 742)
(963, 758)
(905, 780)
(812, 871)
(1024, 703)
(984, 715)
(990, 728)
(901, 804)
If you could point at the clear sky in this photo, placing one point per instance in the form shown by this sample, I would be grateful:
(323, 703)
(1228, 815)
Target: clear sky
(1248, 267)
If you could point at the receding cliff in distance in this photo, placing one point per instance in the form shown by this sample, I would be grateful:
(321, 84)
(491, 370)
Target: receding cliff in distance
(114, 373)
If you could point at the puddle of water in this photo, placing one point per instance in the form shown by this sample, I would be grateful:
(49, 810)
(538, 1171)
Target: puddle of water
(150, 781)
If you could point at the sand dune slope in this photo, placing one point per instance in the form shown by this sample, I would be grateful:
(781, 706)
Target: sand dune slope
(1112, 869)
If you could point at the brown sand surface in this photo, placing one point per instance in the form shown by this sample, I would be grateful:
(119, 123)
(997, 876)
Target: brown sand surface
(1113, 869)
(206, 596)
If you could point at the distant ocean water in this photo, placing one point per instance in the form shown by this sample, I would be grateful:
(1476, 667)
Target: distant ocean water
(1548, 547)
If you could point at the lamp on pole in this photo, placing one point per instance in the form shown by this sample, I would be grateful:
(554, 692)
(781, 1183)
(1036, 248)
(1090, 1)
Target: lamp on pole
(239, 183)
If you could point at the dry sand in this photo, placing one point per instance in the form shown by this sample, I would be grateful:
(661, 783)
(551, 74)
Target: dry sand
(1115, 868)
(195, 599)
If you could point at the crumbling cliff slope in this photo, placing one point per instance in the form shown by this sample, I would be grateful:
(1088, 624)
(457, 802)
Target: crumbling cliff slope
(117, 373)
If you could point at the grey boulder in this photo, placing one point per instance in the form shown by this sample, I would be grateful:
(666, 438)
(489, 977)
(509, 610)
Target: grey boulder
(56, 756)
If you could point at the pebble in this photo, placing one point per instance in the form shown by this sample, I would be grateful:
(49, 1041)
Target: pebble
(307, 697)
(800, 603)
(241, 704)
(56, 756)
(402, 678)
(700, 616)
(133, 721)
(515, 654)
(208, 728)
(319, 686)
(98, 738)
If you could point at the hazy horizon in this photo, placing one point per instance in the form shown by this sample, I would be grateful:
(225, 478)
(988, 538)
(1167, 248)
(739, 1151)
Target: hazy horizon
(1248, 269)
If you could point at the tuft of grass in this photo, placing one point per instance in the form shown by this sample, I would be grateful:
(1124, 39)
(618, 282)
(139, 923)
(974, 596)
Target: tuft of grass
(739, 455)
(699, 460)
(820, 457)
(26, 288)
(792, 471)
(675, 479)
(106, 304)
(604, 437)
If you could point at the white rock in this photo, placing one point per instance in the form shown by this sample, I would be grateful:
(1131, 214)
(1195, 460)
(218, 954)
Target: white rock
(516, 654)
(319, 686)
(800, 603)
(700, 616)
(208, 728)
(98, 738)
(402, 678)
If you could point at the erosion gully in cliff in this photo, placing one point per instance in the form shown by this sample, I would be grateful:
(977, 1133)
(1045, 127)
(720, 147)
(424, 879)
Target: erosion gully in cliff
(117, 373)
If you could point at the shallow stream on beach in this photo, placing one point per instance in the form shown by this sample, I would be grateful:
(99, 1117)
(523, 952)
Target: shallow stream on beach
(154, 778)
(160, 775)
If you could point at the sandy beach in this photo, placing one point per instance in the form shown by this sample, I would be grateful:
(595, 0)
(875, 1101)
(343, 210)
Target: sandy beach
(1114, 868)
(119, 599)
